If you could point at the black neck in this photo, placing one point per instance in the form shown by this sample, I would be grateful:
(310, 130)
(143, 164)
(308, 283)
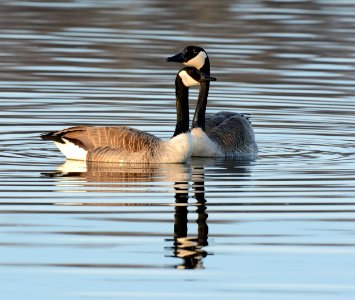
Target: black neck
(182, 107)
(200, 111)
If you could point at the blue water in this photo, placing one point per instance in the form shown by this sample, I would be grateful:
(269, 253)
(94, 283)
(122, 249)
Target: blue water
(280, 227)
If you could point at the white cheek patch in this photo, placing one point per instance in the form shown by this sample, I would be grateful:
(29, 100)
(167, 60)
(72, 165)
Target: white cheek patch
(198, 61)
(187, 80)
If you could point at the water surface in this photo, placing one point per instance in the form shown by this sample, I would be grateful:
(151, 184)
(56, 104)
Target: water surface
(280, 227)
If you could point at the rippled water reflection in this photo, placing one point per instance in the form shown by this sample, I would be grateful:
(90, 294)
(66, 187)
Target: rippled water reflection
(280, 227)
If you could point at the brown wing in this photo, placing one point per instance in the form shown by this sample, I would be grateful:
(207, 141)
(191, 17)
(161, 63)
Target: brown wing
(116, 155)
(119, 137)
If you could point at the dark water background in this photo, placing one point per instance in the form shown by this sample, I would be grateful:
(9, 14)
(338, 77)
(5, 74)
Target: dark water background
(281, 227)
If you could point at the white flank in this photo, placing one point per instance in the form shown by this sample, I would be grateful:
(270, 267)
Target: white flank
(187, 79)
(71, 151)
(198, 61)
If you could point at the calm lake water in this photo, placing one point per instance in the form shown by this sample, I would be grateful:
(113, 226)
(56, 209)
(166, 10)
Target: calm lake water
(281, 227)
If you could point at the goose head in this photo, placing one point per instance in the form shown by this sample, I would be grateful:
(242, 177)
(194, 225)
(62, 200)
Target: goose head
(192, 56)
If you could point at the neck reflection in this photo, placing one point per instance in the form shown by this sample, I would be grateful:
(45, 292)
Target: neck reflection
(190, 247)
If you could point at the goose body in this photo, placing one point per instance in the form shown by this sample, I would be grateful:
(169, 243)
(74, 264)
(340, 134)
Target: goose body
(120, 144)
(226, 134)
(129, 145)
(221, 134)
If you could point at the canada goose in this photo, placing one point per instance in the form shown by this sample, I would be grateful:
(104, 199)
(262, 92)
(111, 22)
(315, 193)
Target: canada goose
(221, 134)
(129, 145)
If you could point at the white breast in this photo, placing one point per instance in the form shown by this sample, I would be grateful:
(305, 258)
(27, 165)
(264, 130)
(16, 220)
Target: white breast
(203, 146)
(177, 149)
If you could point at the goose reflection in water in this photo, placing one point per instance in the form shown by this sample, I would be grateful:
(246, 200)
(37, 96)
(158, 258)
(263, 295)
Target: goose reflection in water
(107, 177)
(117, 177)
(190, 247)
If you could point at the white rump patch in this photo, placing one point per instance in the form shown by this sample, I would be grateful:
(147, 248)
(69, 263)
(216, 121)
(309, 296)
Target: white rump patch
(198, 61)
(187, 80)
(71, 151)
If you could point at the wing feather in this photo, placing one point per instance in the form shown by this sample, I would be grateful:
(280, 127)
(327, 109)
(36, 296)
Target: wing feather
(115, 137)
(116, 155)
(232, 131)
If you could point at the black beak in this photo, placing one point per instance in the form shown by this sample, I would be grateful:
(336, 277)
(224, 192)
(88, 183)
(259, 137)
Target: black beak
(179, 58)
